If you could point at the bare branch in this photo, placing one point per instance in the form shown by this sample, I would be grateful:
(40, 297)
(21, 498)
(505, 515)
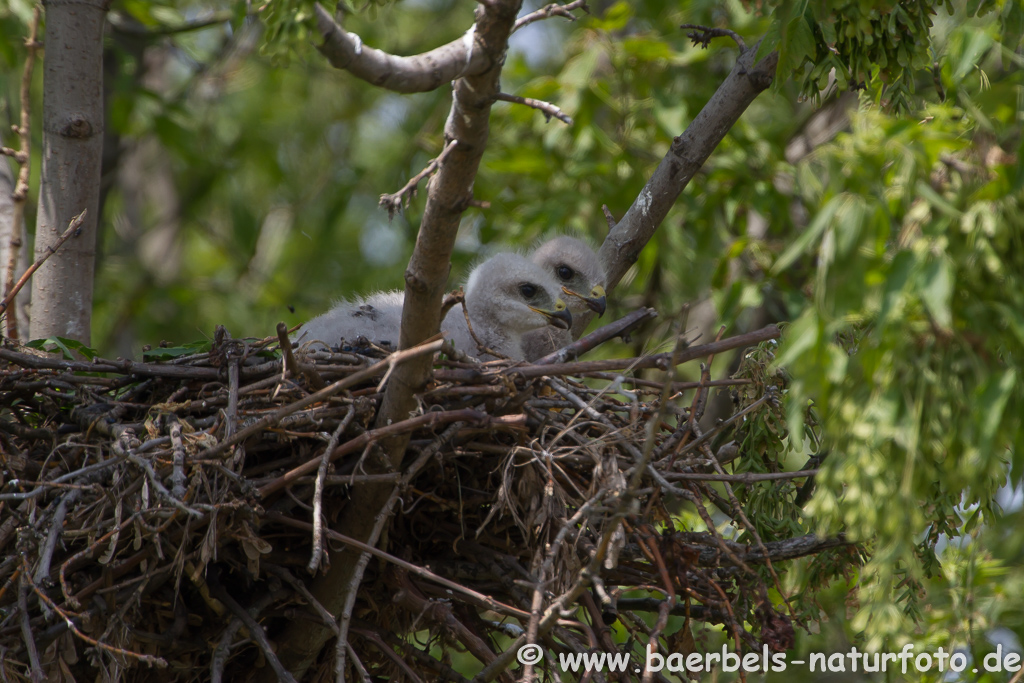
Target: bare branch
(24, 158)
(552, 10)
(658, 360)
(123, 25)
(619, 328)
(73, 228)
(318, 516)
(24, 134)
(703, 35)
(608, 217)
(545, 108)
(418, 73)
(686, 155)
(394, 203)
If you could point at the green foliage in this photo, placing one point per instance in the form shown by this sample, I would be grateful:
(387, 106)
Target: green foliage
(171, 352)
(886, 47)
(66, 347)
(290, 26)
(911, 348)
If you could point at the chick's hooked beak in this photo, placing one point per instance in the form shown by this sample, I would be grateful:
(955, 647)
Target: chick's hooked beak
(560, 317)
(597, 301)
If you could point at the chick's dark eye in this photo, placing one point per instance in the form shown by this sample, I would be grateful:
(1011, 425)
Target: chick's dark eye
(564, 272)
(529, 291)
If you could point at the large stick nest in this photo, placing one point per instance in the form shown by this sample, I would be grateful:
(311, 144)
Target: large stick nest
(157, 518)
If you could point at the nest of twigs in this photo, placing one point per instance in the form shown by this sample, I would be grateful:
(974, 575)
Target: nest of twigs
(158, 517)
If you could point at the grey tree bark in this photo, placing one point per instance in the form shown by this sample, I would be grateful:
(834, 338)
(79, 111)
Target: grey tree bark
(12, 224)
(62, 290)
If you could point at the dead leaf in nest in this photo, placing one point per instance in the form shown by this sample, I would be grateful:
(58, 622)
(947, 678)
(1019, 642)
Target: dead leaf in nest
(195, 442)
(254, 546)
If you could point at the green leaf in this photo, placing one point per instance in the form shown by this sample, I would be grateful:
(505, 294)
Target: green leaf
(812, 233)
(64, 345)
(899, 275)
(937, 291)
(936, 200)
(991, 404)
(1013, 25)
(978, 42)
(167, 353)
(647, 49)
(803, 334)
(616, 18)
(799, 44)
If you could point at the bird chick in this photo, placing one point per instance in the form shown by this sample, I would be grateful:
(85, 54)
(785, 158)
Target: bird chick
(506, 297)
(577, 268)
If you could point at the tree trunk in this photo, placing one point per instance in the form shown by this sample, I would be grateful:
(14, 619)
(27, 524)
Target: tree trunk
(12, 232)
(72, 158)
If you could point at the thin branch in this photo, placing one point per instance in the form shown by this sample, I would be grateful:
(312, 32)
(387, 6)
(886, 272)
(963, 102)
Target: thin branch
(381, 433)
(545, 108)
(657, 360)
(24, 159)
(703, 35)
(35, 670)
(618, 328)
(552, 10)
(318, 520)
(123, 26)
(294, 366)
(393, 203)
(73, 228)
(608, 217)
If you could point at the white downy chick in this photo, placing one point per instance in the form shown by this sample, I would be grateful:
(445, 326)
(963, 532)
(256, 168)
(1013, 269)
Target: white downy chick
(577, 269)
(507, 296)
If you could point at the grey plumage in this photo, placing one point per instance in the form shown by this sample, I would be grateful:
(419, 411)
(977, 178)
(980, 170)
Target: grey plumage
(506, 296)
(577, 269)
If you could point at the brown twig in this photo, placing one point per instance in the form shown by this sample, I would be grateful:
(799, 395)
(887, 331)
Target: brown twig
(608, 217)
(73, 228)
(552, 10)
(746, 478)
(394, 203)
(318, 492)
(543, 107)
(703, 35)
(658, 360)
(24, 159)
(599, 336)
(35, 670)
(364, 439)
